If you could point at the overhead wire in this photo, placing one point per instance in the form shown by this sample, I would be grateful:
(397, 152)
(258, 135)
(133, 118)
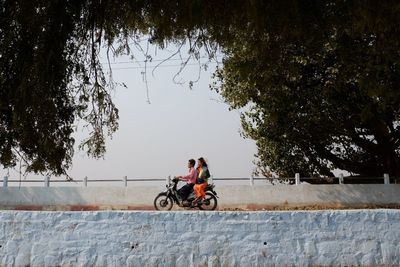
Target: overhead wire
(161, 66)
(154, 60)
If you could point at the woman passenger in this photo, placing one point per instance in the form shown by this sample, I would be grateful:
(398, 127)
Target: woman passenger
(201, 183)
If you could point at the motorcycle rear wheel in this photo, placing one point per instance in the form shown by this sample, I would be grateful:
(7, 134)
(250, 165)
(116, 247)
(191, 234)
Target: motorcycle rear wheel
(163, 202)
(209, 202)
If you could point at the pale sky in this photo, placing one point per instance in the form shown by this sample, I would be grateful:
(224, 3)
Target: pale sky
(156, 140)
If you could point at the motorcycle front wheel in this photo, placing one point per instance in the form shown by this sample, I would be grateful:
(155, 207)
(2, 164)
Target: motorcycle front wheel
(209, 202)
(163, 202)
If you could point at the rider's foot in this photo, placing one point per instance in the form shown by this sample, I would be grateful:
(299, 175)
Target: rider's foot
(179, 198)
(195, 202)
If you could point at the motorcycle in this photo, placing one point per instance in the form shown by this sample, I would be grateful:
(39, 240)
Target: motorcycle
(166, 200)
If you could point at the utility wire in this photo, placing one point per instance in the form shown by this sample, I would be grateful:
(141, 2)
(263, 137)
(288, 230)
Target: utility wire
(154, 60)
(160, 66)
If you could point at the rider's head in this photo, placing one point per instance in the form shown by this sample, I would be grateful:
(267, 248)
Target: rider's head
(191, 163)
(201, 162)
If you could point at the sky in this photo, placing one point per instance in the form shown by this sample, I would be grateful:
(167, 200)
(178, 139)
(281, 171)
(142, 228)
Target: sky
(156, 139)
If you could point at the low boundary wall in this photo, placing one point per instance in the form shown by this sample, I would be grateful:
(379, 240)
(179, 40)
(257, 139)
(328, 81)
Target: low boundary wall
(230, 196)
(142, 238)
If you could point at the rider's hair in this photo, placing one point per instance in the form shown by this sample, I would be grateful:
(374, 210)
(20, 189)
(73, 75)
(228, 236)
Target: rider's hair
(203, 162)
(192, 161)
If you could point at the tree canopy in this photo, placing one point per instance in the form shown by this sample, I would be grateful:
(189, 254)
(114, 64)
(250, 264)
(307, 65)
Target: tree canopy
(323, 99)
(318, 78)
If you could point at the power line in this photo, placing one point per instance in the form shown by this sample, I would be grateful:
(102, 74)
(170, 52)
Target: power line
(161, 66)
(154, 60)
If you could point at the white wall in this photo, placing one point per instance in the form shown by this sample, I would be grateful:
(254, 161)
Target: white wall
(110, 238)
(256, 197)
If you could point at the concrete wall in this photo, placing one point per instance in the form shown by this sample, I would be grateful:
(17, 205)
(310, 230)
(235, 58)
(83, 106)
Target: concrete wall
(274, 238)
(256, 197)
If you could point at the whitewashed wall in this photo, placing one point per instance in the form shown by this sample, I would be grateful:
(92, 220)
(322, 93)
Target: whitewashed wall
(252, 197)
(118, 238)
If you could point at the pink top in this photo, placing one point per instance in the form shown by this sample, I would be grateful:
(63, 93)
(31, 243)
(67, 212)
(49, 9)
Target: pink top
(191, 177)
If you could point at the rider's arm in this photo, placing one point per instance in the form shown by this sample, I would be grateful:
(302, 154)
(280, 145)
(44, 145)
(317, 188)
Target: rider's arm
(190, 177)
(184, 178)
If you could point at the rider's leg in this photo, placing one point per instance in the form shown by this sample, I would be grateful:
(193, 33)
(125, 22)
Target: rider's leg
(199, 191)
(185, 190)
(181, 192)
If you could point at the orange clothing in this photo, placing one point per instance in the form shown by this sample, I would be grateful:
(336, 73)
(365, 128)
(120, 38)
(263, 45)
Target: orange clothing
(199, 190)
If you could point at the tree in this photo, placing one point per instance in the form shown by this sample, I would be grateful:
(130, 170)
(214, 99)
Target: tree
(319, 77)
(51, 76)
(321, 100)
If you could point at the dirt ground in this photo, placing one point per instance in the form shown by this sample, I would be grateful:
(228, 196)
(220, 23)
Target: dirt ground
(221, 208)
(314, 207)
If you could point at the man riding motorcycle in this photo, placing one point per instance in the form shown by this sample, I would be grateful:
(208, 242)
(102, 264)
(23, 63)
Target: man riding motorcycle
(190, 178)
